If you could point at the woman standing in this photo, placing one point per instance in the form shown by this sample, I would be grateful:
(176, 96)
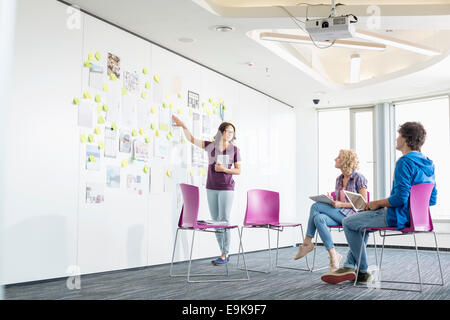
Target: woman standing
(222, 156)
(323, 215)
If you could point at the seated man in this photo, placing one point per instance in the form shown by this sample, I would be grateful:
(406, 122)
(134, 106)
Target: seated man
(411, 169)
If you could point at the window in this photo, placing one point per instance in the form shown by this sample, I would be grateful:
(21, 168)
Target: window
(435, 117)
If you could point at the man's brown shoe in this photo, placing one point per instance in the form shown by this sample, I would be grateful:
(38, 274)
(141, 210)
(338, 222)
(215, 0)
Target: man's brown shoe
(340, 275)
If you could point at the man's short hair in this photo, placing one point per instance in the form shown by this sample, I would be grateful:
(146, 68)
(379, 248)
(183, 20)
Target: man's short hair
(414, 134)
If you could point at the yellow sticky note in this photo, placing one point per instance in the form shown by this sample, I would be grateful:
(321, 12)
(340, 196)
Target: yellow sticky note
(202, 171)
(147, 85)
(105, 87)
(91, 56)
(144, 95)
(179, 95)
(164, 105)
(99, 108)
(157, 133)
(203, 105)
(145, 169)
(171, 105)
(76, 101)
(101, 145)
(141, 131)
(190, 112)
(147, 140)
(91, 158)
(134, 132)
(156, 78)
(97, 130)
(169, 137)
(215, 111)
(87, 95)
(163, 126)
(98, 98)
(113, 77)
(100, 120)
(87, 64)
(169, 173)
(98, 56)
(153, 110)
(209, 112)
(152, 126)
(91, 138)
(124, 163)
(167, 95)
(124, 91)
(83, 138)
(192, 172)
(210, 100)
(179, 111)
(105, 108)
(114, 126)
(145, 71)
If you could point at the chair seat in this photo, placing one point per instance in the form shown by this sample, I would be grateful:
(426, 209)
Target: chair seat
(207, 225)
(286, 224)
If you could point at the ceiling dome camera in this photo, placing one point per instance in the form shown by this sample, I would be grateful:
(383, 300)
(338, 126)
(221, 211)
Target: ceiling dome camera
(316, 101)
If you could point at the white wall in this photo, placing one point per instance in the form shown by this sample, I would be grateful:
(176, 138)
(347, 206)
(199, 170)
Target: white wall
(48, 226)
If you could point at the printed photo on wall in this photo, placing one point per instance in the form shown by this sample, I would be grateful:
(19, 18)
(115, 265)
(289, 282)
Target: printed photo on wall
(131, 81)
(125, 142)
(134, 184)
(96, 77)
(113, 177)
(113, 65)
(206, 125)
(110, 142)
(92, 157)
(140, 150)
(95, 193)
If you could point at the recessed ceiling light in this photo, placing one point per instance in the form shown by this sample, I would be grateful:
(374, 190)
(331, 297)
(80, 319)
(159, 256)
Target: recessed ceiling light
(224, 28)
(186, 40)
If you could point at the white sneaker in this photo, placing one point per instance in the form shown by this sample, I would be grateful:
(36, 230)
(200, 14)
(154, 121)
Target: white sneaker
(303, 250)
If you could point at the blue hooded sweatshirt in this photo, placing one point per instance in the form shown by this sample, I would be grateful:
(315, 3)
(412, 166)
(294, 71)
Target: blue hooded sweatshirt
(411, 169)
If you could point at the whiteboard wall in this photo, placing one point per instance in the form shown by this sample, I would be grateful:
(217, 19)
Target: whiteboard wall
(48, 225)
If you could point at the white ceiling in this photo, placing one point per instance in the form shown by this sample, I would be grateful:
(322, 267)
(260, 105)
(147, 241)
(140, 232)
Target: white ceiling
(164, 22)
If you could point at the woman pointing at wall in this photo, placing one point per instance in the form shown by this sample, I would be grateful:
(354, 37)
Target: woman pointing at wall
(222, 156)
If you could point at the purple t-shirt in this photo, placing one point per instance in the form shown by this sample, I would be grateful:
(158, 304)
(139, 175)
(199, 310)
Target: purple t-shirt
(221, 180)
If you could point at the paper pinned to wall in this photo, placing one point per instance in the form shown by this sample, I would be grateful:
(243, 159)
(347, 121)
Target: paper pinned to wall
(92, 157)
(86, 114)
(110, 142)
(129, 111)
(114, 100)
(113, 176)
(135, 184)
(161, 147)
(143, 114)
(95, 193)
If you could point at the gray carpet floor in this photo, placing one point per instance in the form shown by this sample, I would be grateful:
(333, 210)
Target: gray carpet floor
(154, 283)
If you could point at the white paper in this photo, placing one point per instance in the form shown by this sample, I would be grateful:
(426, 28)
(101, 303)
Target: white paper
(135, 184)
(113, 100)
(113, 176)
(161, 147)
(93, 150)
(110, 142)
(86, 114)
(129, 111)
(140, 150)
(95, 193)
(143, 114)
(96, 77)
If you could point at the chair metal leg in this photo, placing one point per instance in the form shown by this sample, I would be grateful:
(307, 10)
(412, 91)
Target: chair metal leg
(314, 256)
(286, 267)
(270, 258)
(439, 259)
(173, 253)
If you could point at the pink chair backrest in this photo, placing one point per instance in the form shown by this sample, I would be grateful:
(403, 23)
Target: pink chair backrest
(333, 195)
(263, 207)
(419, 207)
(189, 211)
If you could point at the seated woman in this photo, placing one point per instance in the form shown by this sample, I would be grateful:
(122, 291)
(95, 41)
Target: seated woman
(323, 215)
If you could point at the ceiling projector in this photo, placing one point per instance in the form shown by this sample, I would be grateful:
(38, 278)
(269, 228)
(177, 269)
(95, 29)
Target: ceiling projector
(329, 29)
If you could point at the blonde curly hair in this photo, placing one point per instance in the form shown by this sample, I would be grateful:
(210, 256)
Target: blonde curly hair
(349, 161)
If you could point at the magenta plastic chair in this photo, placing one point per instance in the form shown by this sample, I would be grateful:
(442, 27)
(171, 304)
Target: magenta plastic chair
(420, 222)
(339, 228)
(263, 211)
(188, 221)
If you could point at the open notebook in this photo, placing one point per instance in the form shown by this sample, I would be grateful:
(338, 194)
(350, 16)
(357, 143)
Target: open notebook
(356, 200)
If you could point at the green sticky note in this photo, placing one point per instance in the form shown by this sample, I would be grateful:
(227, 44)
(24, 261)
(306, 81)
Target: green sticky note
(156, 78)
(171, 105)
(153, 110)
(215, 111)
(134, 132)
(105, 87)
(91, 158)
(83, 138)
(179, 95)
(91, 56)
(157, 133)
(210, 100)
(98, 98)
(101, 145)
(105, 108)
(87, 95)
(164, 105)
(91, 138)
(147, 85)
(179, 111)
(191, 172)
(163, 126)
(169, 173)
(124, 163)
(169, 137)
(76, 101)
(113, 77)
(100, 120)
(87, 64)
(124, 91)
(190, 112)
(147, 140)
(145, 71)
(98, 56)
(202, 171)
(141, 131)
(145, 169)
(97, 130)
(144, 95)
(114, 126)
(152, 126)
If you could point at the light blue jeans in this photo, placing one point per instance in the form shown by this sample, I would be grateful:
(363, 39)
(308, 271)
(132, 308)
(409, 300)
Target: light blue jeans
(354, 228)
(220, 203)
(321, 216)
